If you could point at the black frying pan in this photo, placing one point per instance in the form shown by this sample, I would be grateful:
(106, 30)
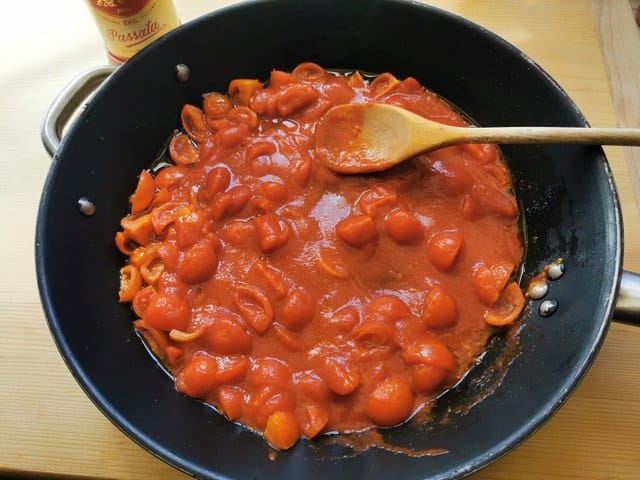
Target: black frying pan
(567, 195)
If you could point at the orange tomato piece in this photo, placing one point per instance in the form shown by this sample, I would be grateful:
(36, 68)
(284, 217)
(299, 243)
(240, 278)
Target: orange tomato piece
(387, 308)
(142, 299)
(427, 378)
(254, 306)
(169, 177)
(391, 402)
(197, 378)
(373, 201)
(238, 232)
(313, 420)
(226, 335)
(488, 282)
(130, 283)
(273, 278)
(190, 226)
(194, 124)
(151, 266)
(243, 116)
(231, 202)
(231, 135)
(308, 71)
(288, 339)
(440, 310)
(443, 248)
(215, 104)
(182, 151)
(266, 401)
(343, 319)
(429, 350)
(167, 313)
(282, 431)
(507, 308)
(122, 242)
(295, 98)
(274, 191)
(279, 79)
(139, 229)
(375, 332)
(173, 355)
(297, 309)
(144, 192)
(273, 232)
(269, 372)
(231, 401)
(241, 89)
(495, 201)
(403, 227)
(342, 376)
(199, 262)
(383, 84)
(311, 387)
(232, 369)
(357, 230)
(169, 255)
(164, 215)
(356, 80)
(217, 181)
(161, 196)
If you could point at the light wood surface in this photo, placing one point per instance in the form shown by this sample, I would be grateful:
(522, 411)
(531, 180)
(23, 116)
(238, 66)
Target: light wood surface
(49, 427)
(620, 41)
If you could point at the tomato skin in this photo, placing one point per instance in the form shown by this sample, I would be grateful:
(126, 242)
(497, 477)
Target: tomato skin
(182, 151)
(167, 313)
(273, 232)
(215, 104)
(226, 335)
(142, 299)
(357, 230)
(193, 122)
(403, 227)
(314, 419)
(391, 402)
(440, 309)
(427, 378)
(197, 378)
(231, 401)
(269, 372)
(443, 248)
(341, 376)
(282, 430)
(199, 262)
(297, 310)
(232, 369)
(143, 195)
(489, 281)
(429, 350)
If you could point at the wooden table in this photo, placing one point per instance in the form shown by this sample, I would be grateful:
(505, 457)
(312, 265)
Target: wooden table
(49, 427)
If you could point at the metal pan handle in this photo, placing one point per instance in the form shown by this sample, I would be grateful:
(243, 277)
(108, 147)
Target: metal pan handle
(67, 102)
(627, 307)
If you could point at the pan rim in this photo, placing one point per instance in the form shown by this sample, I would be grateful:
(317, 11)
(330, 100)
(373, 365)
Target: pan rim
(158, 450)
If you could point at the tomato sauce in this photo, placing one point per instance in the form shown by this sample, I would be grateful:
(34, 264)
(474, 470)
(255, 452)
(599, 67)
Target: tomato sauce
(300, 302)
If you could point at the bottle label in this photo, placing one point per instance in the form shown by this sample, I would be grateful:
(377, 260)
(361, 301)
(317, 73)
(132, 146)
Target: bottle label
(129, 25)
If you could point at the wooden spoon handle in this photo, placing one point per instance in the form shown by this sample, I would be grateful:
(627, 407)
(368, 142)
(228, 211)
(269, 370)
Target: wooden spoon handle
(599, 136)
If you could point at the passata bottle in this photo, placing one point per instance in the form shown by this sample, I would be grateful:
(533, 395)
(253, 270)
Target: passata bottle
(127, 26)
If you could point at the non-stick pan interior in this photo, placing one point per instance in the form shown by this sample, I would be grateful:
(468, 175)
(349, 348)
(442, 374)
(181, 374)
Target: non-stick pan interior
(567, 196)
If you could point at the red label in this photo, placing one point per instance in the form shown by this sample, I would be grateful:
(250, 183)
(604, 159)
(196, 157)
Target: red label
(119, 8)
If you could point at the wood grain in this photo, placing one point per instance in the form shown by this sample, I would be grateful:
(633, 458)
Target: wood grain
(49, 427)
(620, 41)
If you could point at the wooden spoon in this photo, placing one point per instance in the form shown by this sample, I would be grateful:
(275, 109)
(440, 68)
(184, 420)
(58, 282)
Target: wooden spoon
(370, 137)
